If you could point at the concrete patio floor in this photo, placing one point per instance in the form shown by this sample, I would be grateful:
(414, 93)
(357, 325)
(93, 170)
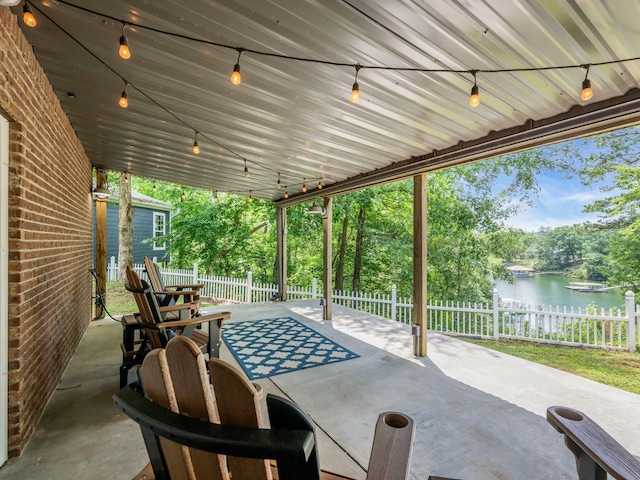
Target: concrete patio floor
(479, 414)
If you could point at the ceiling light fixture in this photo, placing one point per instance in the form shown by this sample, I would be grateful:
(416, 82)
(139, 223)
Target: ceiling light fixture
(124, 100)
(304, 185)
(246, 170)
(236, 78)
(286, 192)
(474, 99)
(317, 209)
(319, 184)
(196, 147)
(587, 93)
(124, 51)
(27, 16)
(355, 90)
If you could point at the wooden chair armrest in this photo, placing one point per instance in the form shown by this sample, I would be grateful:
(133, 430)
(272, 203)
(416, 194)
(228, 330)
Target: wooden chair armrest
(175, 293)
(192, 287)
(595, 450)
(210, 317)
(179, 323)
(181, 306)
(392, 447)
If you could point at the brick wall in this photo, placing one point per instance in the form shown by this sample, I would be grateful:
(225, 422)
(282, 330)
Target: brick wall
(50, 236)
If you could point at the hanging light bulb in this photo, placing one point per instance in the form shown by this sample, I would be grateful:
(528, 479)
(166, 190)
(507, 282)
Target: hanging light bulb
(474, 99)
(196, 147)
(355, 90)
(319, 184)
(246, 170)
(27, 16)
(215, 197)
(182, 196)
(286, 192)
(124, 51)
(126, 178)
(236, 78)
(587, 93)
(154, 189)
(124, 101)
(278, 184)
(250, 196)
(304, 186)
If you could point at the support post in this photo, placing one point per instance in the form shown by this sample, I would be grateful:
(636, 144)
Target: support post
(420, 265)
(281, 233)
(195, 273)
(327, 257)
(101, 244)
(249, 287)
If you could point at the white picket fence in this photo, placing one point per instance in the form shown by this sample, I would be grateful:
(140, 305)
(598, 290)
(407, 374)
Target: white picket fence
(611, 328)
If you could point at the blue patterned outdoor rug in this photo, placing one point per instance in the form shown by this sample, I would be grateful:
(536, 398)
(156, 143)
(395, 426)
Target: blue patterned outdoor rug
(279, 345)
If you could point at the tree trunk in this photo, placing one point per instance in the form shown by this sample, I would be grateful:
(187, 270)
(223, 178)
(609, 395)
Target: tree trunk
(341, 255)
(125, 228)
(357, 261)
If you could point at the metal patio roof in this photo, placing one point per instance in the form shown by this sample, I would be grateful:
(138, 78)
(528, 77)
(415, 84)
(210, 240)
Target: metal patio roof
(291, 117)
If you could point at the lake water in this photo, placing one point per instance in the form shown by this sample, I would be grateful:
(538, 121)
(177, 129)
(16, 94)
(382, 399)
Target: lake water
(551, 290)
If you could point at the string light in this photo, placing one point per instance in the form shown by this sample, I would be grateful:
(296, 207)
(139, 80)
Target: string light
(196, 147)
(278, 184)
(250, 196)
(286, 192)
(474, 99)
(124, 51)
(246, 170)
(355, 90)
(587, 93)
(182, 196)
(27, 16)
(304, 185)
(215, 197)
(236, 78)
(154, 189)
(126, 178)
(319, 184)
(124, 101)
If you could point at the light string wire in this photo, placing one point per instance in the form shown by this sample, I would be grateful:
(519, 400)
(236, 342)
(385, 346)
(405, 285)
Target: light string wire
(353, 65)
(158, 104)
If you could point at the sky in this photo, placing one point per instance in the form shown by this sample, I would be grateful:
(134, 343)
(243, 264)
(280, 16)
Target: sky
(560, 202)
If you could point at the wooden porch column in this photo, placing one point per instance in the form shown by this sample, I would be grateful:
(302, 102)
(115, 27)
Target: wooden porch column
(420, 265)
(101, 243)
(281, 260)
(327, 260)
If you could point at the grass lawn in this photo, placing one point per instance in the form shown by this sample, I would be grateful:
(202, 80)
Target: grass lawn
(615, 368)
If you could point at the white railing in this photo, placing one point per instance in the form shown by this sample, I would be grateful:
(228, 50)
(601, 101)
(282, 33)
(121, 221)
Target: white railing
(612, 328)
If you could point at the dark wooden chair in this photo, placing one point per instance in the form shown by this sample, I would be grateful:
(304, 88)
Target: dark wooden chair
(159, 328)
(187, 432)
(170, 294)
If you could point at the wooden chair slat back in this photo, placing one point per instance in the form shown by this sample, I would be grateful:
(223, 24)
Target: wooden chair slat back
(238, 403)
(187, 368)
(158, 387)
(147, 306)
(154, 275)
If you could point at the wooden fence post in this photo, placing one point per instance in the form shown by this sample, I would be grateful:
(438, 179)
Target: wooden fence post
(314, 288)
(496, 314)
(249, 282)
(630, 306)
(195, 273)
(394, 303)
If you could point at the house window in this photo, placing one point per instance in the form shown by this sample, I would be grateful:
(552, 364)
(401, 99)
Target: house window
(159, 231)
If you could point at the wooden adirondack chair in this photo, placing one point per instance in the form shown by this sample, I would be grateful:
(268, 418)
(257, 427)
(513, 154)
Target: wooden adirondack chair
(170, 294)
(225, 436)
(159, 328)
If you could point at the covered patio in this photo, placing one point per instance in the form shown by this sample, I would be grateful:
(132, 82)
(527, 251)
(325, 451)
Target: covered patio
(479, 414)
